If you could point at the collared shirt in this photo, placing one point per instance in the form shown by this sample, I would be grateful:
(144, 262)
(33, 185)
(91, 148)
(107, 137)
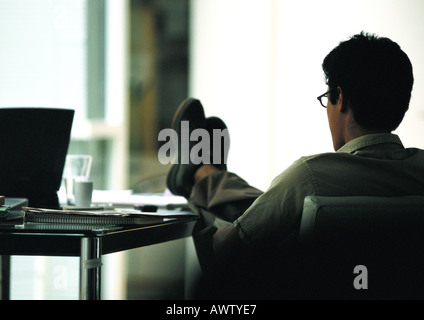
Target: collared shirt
(371, 165)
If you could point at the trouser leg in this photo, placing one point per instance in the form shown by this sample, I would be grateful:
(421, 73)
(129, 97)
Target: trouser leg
(218, 198)
(224, 195)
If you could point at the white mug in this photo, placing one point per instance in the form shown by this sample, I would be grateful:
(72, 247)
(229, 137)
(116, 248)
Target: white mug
(83, 193)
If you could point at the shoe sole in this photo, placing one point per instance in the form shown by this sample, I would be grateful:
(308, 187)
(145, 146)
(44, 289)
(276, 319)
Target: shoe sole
(189, 108)
(184, 109)
(211, 123)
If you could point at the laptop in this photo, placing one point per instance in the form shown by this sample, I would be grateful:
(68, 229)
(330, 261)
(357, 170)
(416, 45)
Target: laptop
(33, 147)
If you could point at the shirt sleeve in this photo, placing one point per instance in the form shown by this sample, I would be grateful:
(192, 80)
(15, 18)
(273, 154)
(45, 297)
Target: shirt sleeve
(277, 212)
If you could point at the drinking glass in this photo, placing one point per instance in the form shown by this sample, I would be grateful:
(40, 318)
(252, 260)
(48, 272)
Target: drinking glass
(77, 168)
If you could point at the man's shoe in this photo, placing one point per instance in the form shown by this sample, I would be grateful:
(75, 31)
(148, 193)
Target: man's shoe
(180, 178)
(189, 110)
(220, 144)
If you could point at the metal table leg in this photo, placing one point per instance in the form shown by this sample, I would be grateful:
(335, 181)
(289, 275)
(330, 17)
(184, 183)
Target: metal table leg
(5, 277)
(90, 268)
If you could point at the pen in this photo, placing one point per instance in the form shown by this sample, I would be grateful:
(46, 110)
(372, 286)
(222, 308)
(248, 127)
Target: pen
(155, 208)
(146, 208)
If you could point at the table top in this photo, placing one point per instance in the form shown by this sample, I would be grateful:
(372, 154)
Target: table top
(65, 239)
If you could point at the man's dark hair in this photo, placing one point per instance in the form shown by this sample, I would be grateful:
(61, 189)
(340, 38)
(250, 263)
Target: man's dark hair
(376, 79)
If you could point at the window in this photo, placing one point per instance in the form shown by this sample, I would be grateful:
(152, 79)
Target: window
(122, 65)
(54, 53)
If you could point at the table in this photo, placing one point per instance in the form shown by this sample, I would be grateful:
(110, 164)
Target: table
(87, 242)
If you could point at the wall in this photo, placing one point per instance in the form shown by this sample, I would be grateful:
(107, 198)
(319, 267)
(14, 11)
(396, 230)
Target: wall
(257, 64)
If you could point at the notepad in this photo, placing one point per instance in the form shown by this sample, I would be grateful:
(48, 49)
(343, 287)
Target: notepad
(107, 217)
(126, 198)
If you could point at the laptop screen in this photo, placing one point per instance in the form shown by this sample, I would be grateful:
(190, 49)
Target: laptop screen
(33, 147)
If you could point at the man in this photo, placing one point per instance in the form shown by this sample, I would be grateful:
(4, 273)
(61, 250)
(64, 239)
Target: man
(369, 83)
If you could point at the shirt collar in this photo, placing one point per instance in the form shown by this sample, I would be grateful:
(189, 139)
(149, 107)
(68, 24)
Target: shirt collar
(370, 140)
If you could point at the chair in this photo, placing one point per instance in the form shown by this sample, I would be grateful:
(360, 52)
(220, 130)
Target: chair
(382, 237)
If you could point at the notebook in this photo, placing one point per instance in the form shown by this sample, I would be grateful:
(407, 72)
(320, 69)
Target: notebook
(33, 147)
(99, 218)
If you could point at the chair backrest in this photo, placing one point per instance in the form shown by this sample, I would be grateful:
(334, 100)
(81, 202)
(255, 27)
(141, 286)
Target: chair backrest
(34, 143)
(363, 247)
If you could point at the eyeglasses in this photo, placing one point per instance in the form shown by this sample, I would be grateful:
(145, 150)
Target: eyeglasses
(323, 99)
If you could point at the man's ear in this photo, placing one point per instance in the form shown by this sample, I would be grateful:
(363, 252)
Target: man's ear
(341, 104)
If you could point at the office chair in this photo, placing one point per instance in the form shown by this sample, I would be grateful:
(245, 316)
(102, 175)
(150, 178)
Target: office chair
(362, 247)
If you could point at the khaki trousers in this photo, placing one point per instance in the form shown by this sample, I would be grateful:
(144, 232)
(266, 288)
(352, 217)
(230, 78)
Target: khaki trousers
(219, 199)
